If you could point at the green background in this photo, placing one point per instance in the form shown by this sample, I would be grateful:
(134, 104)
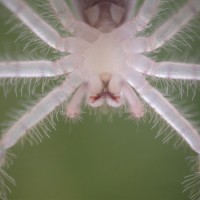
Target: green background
(93, 159)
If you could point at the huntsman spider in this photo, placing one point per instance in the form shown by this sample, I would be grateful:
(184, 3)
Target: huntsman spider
(104, 61)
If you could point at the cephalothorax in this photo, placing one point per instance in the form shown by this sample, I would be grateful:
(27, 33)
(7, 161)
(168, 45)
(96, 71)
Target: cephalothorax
(104, 62)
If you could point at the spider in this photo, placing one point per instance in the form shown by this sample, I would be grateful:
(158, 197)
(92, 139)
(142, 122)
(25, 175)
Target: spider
(105, 61)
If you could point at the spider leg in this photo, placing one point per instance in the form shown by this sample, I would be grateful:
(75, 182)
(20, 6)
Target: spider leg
(39, 68)
(168, 70)
(74, 106)
(118, 85)
(41, 110)
(130, 29)
(70, 23)
(173, 25)
(62, 12)
(166, 110)
(136, 108)
(43, 30)
(146, 13)
(136, 45)
(24, 69)
(131, 10)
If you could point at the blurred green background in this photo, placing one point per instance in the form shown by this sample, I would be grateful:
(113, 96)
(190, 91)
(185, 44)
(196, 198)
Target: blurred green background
(93, 159)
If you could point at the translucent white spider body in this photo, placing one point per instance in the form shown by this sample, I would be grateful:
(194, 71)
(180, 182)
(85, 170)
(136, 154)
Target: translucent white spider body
(106, 62)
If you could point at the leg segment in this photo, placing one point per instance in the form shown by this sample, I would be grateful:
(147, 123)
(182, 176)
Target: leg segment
(146, 13)
(74, 107)
(62, 12)
(30, 120)
(136, 107)
(136, 45)
(131, 10)
(120, 88)
(41, 68)
(33, 69)
(168, 70)
(39, 112)
(163, 108)
(173, 25)
(44, 31)
(70, 23)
